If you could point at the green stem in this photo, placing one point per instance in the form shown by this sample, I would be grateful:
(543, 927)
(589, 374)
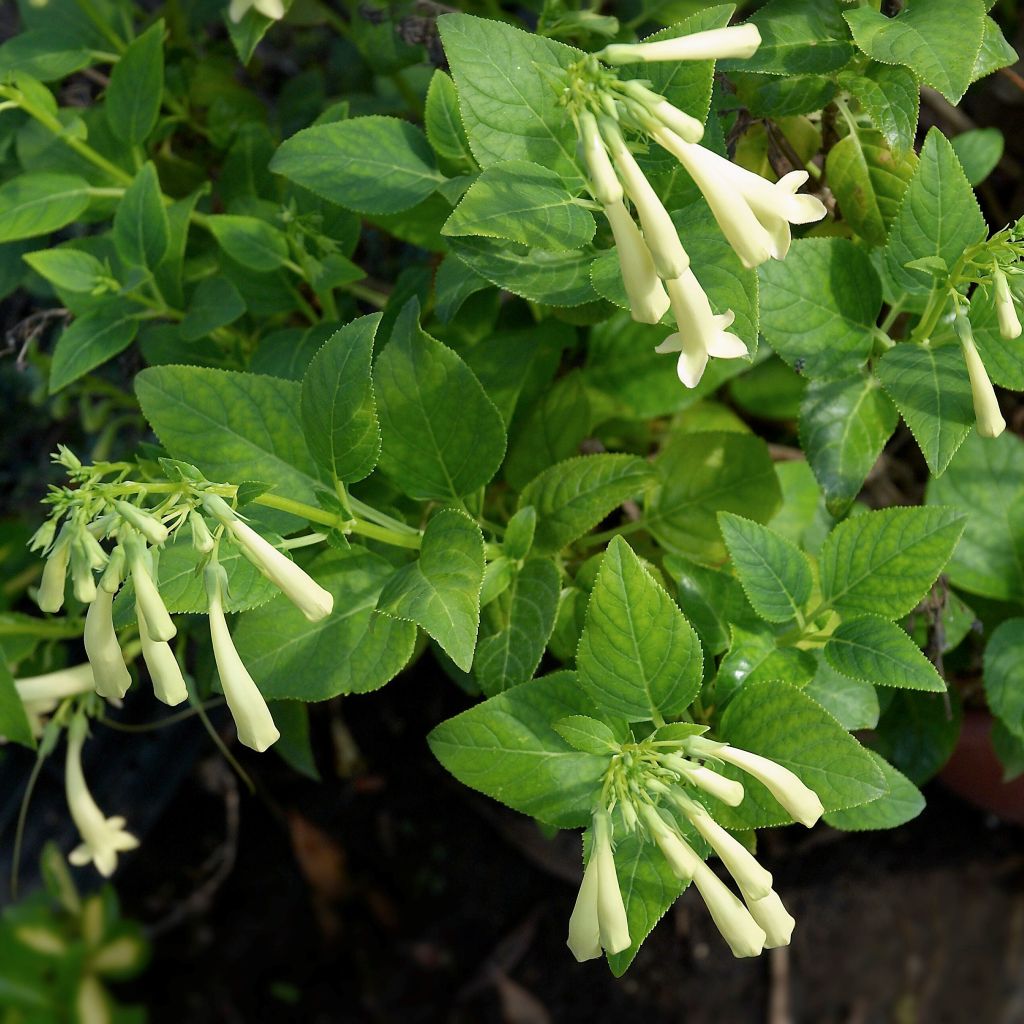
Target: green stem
(616, 531)
(360, 291)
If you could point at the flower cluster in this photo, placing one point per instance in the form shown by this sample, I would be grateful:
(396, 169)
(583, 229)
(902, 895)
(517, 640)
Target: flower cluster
(754, 214)
(109, 541)
(655, 787)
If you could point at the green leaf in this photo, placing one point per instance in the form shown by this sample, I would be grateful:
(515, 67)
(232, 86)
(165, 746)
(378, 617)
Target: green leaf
(883, 562)
(938, 40)
(507, 747)
(868, 182)
(797, 37)
(711, 599)
(754, 655)
(781, 96)
(69, 269)
(587, 735)
(441, 436)
(996, 51)
(638, 657)
(43, 55)
(1004, 674)
(902, 802)
(509, 107)
(775, 573)
(939, 216)
(250, 241)
(247, 33)
(440, 591)
(142, 232)
(918, 732)
(522, 202)
(215, 303)
(844, 426)
(852, 702)
(339, 413)
(136, 87)
(292, 720)
(376, 165)
(443, 124)
(984, 483)
(879, 652)
(454, 283)
(37, 204)
(232, 426)
(978, 152)
(780, 722)
(14, 724)
(891, 95)
(90, 341)
(648, 887)
(819, 307)
(933, 393)
(354, 650)
(572, 497)
(540, 275)
(509, 655)
(700, 475)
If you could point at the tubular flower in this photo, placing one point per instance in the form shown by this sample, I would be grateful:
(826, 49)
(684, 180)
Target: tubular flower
(102, 838)
(715, 44)
(50, 596)
(147, 597)
(273, 9)
(754, 214)
(773, 919)
(168, 682)
(252, 717)
(686, 127)
(990, 420)
(295, 583)
(145, 522)
(799, 800)
(659, 232)
(41, 694)
(599, 917)
(648, 300)
(1006, 312)
(109, 671)
(700, 333)
(604, 182)
(729, 791)
(739, 929)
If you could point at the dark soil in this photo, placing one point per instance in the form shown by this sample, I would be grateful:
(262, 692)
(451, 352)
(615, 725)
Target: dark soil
(395, 895)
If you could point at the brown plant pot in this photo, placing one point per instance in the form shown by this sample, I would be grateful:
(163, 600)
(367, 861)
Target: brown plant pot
(976, 774)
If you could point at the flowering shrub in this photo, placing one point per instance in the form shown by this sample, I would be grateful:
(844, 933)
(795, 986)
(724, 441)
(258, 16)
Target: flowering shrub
(295, 498)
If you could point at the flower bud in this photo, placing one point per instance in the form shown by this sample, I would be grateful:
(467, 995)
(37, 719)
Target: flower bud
(738, 927)
(729, 791)
(50, 596)
(990, 422)
(773, 919)
(648, 300)
(611, 909)
(1006, 313)
(736, 41)
(295, 583)
(686, 127)
(584, 925)
(147, 597)
(145, 522)
(109, 671)
(680, 856)
(252, 717)
(43, 537)
(660, 233)
(202, 539)
(52, 687)
(164, 670)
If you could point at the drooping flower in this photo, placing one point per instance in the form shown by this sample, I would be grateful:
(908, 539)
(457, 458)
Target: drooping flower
(50, 596)
(1006, 311)
(656, 107)
(604, 183)
(41, 694)
(599, 917)
(164, 670)
(147, 597)
(729, 791)
(109, 671)
(252, 717)
(273, 9)
(798, 799)
(648, 300)
(990, 422)
(660, 234)
(699, 332)
(772, 917)
(753, 213)
(145, 522)
(294, 582)
(739, 41)
(102, 838)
